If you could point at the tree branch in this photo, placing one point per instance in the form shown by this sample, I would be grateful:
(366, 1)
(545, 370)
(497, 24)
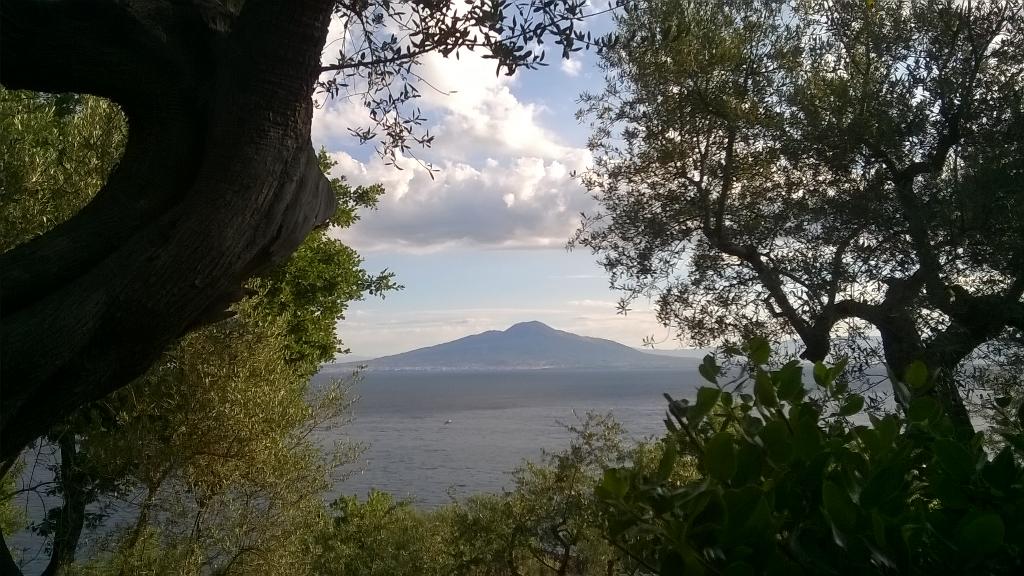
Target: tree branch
(836, 265)
(403, 57)
(917, 226)
(714, 231)
(953, 111)
(248, 197)
(160, 147)
(153, 43)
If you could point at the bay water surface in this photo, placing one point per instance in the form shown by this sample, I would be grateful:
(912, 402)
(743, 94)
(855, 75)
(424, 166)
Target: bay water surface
(432, 434)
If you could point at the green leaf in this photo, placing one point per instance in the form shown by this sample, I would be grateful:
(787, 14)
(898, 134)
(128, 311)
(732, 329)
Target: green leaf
(791, 381)
(1001, 472)
(764, 391)
(840, 508)
(888, 428)
(853, 404)
(777, 564)
(760, 522)
(878, 528)
(822, 375)
(840, 366)
(954, 459)
(884, 484)
(806, 436)
(693, 566)
(777, 442)
(707, 397)
(916, 376)
(752, 424)
(758, 350)
(749, 460)
(614, 482)
(740, 504)
(668, 461)
(709, 369)
(739, 569)
(982, 535)
(672, 563)
(720, 456)
(678, 408)
(726, 399)
(869, 437)
(923, 409)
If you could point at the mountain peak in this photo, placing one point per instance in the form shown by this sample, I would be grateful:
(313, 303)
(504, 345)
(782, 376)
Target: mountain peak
(526, 345)
(531, 326)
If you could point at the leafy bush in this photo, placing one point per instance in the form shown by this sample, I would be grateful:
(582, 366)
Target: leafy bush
(379, 536)
(547, 524)
(805, 482)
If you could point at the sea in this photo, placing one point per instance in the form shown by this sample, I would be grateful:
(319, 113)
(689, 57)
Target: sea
(431, 436)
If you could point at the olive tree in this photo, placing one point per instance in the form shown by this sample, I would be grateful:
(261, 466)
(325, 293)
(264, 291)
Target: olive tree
(834, 171)
(218, 179)
(215, 440)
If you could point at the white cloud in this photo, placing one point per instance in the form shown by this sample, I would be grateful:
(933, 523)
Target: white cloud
(585, 303)
(518, 202)
(572, 67)
(501, 179)
(333, 118)
(480, 114)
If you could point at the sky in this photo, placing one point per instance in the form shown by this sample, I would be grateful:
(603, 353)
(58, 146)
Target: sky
(482, 244)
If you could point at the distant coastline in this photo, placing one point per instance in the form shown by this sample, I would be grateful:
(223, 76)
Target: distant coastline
(348, 366)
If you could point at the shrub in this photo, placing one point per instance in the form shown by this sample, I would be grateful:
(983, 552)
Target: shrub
(798, 481)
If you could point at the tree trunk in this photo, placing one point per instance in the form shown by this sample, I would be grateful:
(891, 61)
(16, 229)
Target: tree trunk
(902, 350)
(71, 518)
(218, 181)
(563, 562)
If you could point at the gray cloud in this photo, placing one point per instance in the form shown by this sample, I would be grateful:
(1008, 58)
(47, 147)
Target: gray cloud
(517, 202)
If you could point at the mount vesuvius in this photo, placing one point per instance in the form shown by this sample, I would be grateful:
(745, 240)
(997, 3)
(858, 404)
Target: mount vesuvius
(527, 346)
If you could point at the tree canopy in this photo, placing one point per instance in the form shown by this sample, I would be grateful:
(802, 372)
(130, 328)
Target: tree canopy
(838, 172)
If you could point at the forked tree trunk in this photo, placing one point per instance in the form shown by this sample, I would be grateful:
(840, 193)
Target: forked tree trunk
(902, 350)
(218, 181)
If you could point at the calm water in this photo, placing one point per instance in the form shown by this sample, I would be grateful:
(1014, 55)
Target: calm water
(497, 420)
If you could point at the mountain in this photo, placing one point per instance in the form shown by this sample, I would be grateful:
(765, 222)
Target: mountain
(525, 346)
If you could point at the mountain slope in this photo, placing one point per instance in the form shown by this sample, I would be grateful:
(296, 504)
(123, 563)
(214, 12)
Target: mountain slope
(527, 345)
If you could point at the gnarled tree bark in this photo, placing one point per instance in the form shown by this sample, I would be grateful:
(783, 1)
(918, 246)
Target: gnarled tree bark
(218, 181)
